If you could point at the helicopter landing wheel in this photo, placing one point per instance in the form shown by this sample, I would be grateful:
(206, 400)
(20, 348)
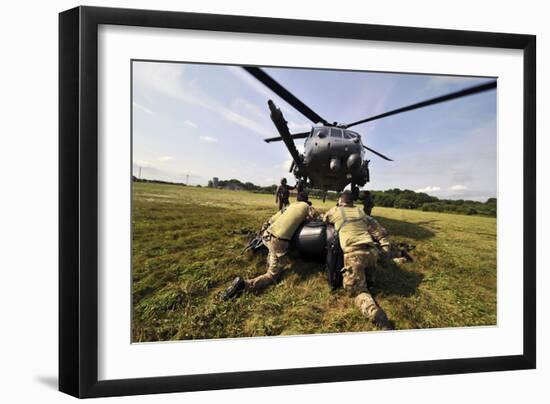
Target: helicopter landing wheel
(300, 185)
(355, 192)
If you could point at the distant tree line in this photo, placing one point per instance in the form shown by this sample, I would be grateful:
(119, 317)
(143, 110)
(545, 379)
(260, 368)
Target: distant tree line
(407, 199)
(136, 179)
(243, 186)
(392, 198)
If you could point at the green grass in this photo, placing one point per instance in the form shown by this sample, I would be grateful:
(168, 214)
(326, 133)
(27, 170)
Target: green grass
(187, 244)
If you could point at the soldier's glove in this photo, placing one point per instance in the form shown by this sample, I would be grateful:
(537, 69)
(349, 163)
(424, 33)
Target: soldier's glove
(387, 252)
(400, 260)
(404, 255)
(236, 288)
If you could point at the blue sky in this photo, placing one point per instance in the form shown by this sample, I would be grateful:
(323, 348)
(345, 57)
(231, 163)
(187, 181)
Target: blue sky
(203, 121)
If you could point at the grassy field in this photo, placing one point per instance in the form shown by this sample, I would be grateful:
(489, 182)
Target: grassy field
(187, 244)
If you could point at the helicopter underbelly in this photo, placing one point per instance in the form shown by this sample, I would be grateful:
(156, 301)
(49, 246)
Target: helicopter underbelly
(333, 166)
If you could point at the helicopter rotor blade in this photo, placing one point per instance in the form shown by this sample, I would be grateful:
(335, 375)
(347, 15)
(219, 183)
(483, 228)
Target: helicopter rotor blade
(302, 135)
(447, 97)
(284, 94)
(378, 154)
(280, 123)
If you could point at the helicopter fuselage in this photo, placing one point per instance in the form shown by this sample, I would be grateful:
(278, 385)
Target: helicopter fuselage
(333, 158)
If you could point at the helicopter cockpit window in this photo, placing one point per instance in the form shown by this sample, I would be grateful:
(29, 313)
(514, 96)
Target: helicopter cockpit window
(321, 132)
(336, 132)
(349, 135)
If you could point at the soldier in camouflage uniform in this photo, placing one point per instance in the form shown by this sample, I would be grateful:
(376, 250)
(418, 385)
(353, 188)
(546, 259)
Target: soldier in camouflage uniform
(359, 235)
(282, 193)
(276, 235)
(368, 202)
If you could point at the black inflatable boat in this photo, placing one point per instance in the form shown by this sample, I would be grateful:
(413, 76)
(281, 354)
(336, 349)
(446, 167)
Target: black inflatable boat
(310, 239)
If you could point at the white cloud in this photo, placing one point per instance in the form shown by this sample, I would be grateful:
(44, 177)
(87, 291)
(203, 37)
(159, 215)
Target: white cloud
(443, 82)
(295, 127)
(245, 122)
(144, 109)
(208, 139)
(286, 164)
(143, 163)
(261, 89)
(428, 189)
(245, 77)
(168, 79)
(458, 188)
(166, 158)
(240, 104)
(190, 123)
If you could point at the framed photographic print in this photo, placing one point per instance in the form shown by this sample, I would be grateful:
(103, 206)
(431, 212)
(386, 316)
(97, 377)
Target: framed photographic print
(251, 201)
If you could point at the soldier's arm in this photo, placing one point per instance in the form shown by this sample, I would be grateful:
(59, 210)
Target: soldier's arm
(277, 194)
(379, 234)
(312, 214)
(327, 218)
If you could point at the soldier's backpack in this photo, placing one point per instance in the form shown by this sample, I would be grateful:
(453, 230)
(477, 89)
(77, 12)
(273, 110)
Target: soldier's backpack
(335, 259)
(335, 255)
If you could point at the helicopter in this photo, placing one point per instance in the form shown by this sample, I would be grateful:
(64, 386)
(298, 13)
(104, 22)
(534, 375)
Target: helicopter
(334, 156)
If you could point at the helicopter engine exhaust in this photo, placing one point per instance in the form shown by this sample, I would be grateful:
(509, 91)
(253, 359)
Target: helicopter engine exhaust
(335, 164)
(354, 162)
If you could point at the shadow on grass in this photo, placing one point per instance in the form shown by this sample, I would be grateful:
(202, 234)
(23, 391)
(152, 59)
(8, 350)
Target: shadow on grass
(305, 267)
(399, 228)
(387, 279)
(392, 279)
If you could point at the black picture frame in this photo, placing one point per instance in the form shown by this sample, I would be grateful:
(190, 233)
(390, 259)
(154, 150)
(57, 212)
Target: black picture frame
(78, 200)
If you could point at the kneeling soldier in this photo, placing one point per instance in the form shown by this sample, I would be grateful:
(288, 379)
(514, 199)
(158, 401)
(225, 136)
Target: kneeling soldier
(277, 232)
(360, 253)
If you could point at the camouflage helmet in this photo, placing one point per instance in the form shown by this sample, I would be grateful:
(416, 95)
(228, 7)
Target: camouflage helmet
(346, 197)
(283, 181)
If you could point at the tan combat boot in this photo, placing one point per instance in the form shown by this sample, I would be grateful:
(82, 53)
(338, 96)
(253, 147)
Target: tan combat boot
(372, 311)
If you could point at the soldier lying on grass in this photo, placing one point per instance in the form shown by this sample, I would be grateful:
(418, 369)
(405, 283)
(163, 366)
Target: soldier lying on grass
(359, 236)
(276, 235)
(362, 239)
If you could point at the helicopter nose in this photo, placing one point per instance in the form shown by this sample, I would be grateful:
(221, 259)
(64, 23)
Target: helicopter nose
(335, 164)
(354, 162)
